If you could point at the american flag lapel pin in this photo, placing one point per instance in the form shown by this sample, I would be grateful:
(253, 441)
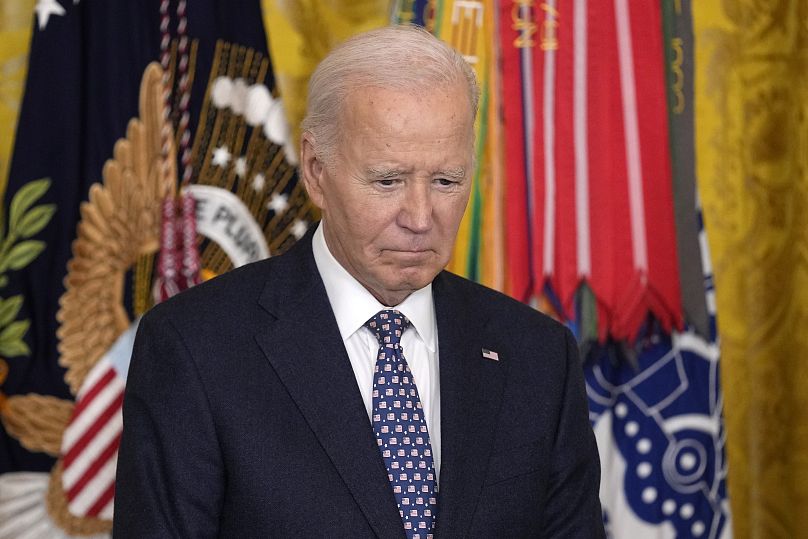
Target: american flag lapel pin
(490, 354)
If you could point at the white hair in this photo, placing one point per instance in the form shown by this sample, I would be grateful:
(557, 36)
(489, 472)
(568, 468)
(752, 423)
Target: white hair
(405, 58)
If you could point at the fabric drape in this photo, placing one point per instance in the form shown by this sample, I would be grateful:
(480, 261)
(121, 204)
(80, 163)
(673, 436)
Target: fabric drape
(752, 169)
(15, 40)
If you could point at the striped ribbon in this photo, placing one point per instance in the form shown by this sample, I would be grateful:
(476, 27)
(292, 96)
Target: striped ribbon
(89, 452)
(587, 186)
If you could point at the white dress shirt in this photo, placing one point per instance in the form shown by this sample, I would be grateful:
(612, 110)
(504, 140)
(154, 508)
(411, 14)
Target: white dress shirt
(353, 305)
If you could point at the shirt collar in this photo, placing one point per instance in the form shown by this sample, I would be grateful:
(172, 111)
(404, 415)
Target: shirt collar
(353, 305)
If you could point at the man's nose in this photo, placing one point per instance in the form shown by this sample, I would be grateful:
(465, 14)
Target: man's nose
(416, 211)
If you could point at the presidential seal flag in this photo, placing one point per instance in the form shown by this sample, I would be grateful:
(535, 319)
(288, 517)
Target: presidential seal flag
(153, 152)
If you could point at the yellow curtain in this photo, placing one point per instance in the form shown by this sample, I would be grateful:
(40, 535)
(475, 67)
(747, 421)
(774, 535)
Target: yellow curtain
(752, 154)
(300, 34)
(16, 19)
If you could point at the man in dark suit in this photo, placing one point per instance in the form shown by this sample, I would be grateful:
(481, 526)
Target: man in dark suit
(351, 387)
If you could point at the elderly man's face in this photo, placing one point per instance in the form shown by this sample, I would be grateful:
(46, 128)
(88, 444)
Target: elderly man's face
(394, 196)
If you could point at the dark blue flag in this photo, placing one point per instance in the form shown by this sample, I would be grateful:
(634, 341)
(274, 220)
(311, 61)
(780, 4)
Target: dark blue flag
(85, 222)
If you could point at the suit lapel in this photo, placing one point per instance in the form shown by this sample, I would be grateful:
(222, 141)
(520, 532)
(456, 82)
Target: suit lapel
(305, 349)
(471, 394)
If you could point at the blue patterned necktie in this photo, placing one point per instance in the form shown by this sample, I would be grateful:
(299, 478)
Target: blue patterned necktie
(400, 427)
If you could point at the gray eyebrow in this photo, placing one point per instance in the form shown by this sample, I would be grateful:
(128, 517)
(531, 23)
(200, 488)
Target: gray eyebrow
(455, 173)
(387, 172)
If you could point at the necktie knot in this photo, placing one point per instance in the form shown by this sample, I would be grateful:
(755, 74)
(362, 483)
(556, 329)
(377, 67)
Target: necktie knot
(388, 326)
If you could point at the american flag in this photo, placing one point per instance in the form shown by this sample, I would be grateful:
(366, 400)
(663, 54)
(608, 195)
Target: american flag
(90, 443)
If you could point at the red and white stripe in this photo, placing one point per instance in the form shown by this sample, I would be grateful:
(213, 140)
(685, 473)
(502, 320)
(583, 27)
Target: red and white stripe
(549, 140)
(90, 444)
(631, 132)
(581, 133)
(597, 175)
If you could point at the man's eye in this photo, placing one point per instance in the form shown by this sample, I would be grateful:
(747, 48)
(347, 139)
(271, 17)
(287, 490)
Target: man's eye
(387, 182)
(446, 182)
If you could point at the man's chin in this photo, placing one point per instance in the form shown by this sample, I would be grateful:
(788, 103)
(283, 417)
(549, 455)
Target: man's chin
(411, 278)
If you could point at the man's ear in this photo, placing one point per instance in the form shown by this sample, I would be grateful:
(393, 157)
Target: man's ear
(312, 170)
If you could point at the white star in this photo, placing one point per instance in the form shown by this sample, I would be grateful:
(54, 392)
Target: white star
(45, 8)
(221, 156)
(278, 203)
(299, 228)
(259, 181)
(241, 167)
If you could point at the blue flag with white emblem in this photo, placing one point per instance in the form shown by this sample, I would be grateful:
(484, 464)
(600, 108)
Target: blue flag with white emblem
(661, 441)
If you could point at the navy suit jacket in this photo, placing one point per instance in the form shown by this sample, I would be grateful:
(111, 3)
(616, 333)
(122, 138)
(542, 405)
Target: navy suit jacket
(242, 418)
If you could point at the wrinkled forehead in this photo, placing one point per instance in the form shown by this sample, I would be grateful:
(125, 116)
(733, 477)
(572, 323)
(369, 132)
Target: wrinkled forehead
(383, 104)
(386, 132)
(406, 86)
